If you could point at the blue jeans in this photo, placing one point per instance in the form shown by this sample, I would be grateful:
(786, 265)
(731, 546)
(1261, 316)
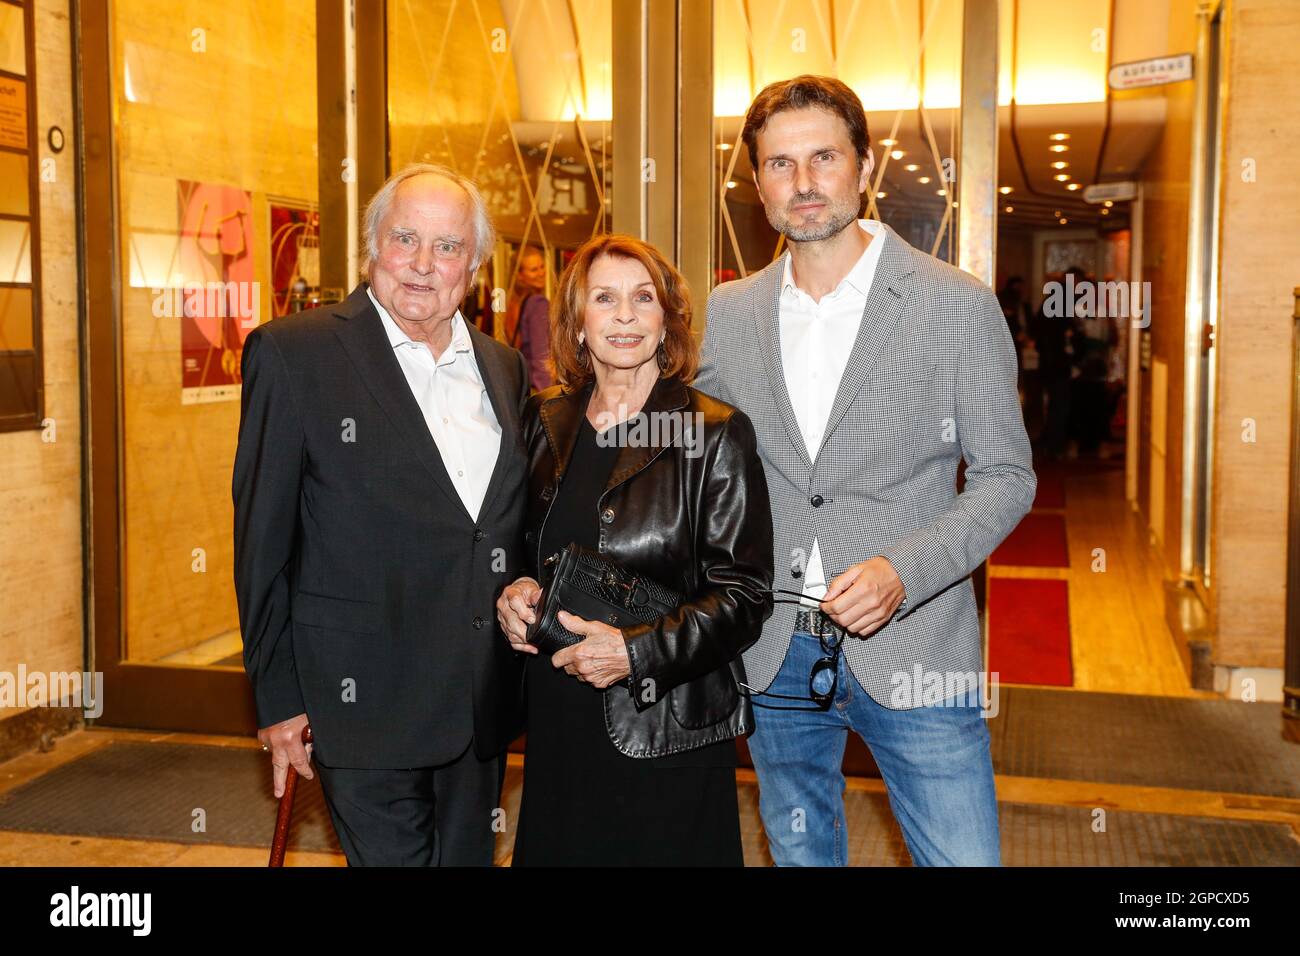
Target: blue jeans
(935, 761)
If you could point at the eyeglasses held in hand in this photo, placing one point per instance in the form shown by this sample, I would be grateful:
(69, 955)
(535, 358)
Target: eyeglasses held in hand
(824, 678)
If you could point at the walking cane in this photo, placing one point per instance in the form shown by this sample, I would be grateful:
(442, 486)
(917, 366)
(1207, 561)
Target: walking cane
(281, 840)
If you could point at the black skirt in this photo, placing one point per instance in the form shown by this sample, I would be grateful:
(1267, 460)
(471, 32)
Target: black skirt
(585, 803)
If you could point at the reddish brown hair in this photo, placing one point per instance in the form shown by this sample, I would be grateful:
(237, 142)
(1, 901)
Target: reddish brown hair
(678, 355)
(823, 92)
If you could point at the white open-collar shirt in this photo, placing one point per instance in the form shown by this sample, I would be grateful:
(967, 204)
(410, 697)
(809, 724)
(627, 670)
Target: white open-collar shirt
(816, 339)
(454, 401)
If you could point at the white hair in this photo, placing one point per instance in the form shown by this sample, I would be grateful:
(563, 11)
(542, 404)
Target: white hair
(377, 209)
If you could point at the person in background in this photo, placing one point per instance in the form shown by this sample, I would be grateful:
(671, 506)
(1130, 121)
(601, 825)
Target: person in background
(527, 321)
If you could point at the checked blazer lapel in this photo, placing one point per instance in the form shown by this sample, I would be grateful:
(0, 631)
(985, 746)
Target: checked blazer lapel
(767, 293)
(880, 317)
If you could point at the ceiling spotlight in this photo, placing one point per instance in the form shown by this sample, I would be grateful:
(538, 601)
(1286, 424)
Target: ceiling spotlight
(942, 192)
(1060, 164)
(1064, 220)
(1059, 136)
(911, 167)
(1073, 186)
(1108, 204)
(1004, 189)
(1105, 212)
(1061, 177)
(955, 204)
(889, 142)
(731, 184)
(1057, 213)
(724, 146)
(896, 154)
(923, 180)
(881, 195)
(1008, 208)
(1058, 148)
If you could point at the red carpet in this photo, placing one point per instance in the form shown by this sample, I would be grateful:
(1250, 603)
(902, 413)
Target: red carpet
(1037, 542)
(1051, 486)
(1029, 631)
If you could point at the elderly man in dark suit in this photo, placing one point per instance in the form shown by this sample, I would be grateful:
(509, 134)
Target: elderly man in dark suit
(378, 489)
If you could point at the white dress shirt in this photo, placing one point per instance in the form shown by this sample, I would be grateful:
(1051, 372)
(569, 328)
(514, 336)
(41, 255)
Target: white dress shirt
(455, 404)
(816, 339)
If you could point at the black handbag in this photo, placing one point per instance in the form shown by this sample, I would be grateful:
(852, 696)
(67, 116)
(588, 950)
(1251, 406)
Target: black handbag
(591, 586)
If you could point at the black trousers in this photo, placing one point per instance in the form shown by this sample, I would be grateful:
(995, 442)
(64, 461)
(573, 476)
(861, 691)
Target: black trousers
(423, 816)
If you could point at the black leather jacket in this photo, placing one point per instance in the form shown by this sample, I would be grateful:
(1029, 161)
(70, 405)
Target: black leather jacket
(692, 514)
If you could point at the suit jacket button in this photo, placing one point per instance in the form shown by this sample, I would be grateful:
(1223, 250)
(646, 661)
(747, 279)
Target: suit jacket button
(478, 535)
(607, 516)
(478, 623)
(817, 500)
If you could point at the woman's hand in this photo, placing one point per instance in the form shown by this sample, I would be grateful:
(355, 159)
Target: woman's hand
(515, 612)
(600, 659)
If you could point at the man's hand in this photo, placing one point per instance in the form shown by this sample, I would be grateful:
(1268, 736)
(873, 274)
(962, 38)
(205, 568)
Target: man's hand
(515, 612)
(600, 659)
(285, 741)
(864, 598)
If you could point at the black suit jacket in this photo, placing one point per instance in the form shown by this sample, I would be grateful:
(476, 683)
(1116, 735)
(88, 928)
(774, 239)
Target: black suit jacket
(366, 591)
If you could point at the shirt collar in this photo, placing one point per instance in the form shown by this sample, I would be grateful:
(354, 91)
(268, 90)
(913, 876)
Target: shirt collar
(859, 276)
(460, 341)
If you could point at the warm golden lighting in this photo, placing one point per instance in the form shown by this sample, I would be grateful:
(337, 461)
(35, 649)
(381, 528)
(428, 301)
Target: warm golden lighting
(923, 180)
(1059, 136)
(1008, 208)
(896, 154)
(1004, 190)
(1105, 212)
(724, 146)
(881, 195)
(942, 192)
(1073, 186)
(1061, 177)
(731, 184)
(911, 167)
(1060, 164)
(1064, 220)
(1058, 148)
(1108, 204)
(889, 142)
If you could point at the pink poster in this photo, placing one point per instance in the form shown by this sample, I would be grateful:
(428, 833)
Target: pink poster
(220, 300)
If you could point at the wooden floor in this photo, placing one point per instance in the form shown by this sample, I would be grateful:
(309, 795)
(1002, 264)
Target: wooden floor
(1119, 640)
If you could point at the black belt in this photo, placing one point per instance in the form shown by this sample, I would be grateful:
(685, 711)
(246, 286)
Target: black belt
(813, 621)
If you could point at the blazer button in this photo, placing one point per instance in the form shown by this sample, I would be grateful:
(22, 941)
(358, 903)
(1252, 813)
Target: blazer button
(478, 623)
(607, 516)
(817, 501)
(478, 535)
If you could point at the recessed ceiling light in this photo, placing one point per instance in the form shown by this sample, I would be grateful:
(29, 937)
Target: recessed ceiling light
(1064, 220)
(888, 142)
(731, 184)
(1008, 208)
(897, 154)
(1061, 177)
(724, 146)
(1059, 136)
(955, 204)
(942, 192)
(881, 195)
(1105, 212)
(1060, 164)
(1004, 189)
(1057, 213)
(1073, 186)
(1058, 148)
(1108, 204)
(911, 167)
(923, 180)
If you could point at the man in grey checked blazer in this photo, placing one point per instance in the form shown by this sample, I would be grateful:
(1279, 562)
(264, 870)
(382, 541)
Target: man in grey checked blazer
(870, 478)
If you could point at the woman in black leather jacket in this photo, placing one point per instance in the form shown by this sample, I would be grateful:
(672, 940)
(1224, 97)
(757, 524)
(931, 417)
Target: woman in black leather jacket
(630, 752)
